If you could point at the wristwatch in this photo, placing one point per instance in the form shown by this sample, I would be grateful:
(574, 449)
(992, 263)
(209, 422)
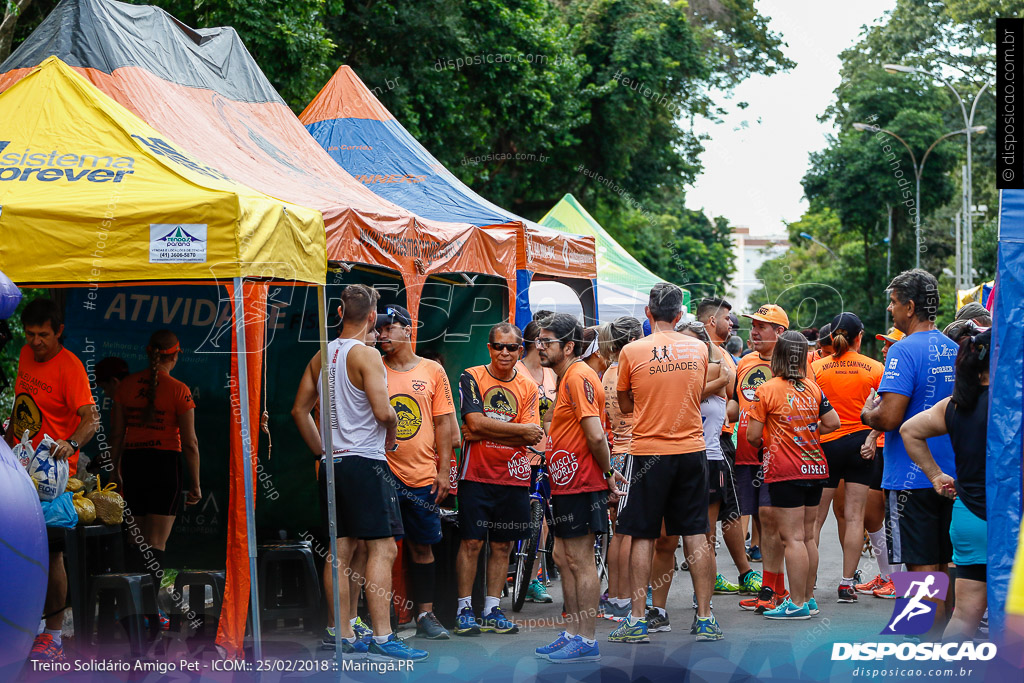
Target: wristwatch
(73, 444)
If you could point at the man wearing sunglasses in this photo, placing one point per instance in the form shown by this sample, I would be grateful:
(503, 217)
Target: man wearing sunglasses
(422, 399)
(500, 419)
(582, 480)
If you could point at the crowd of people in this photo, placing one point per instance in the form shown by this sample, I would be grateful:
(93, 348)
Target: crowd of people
(656, 431)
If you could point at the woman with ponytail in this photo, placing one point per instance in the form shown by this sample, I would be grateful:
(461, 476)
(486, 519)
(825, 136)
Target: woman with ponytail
(964, 417)
(152, 425)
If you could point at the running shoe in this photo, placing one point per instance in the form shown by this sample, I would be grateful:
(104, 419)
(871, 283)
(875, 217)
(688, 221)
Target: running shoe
(576, 650)
(812, 607)
(787, 610)
(328, 641)
(847, 593)
(466, 624)
(45, 650)
(693, 625)
(708, 629)
(764, 601)
(630, 631)
(536, 592)
(723, 587)
(495, 622)
(354, 650)
(429, 626)
(394, 648)
(557, 644)
(754, 553)
(870, 586)
(750, 583)
(362, 629)
(616, 613)
(656, 623)
(887, 591)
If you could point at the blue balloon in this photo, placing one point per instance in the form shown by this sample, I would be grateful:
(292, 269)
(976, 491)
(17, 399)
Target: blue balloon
(24, 563)
(10, 297)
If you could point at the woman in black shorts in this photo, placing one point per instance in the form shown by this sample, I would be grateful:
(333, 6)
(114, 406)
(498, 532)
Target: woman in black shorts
(152, 425)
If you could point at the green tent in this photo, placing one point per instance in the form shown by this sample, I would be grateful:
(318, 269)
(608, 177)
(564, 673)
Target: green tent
(623, 283)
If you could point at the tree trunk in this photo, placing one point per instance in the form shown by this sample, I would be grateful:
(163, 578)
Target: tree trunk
(10, 21)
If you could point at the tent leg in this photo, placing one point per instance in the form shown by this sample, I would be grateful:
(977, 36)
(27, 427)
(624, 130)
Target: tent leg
(326, 406)
(250, 503)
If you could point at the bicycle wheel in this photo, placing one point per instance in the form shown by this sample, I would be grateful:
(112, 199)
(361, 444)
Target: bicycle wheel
(526, 555)
(600, 558)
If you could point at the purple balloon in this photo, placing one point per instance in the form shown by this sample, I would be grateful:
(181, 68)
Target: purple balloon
(10, 297)
(24, 563)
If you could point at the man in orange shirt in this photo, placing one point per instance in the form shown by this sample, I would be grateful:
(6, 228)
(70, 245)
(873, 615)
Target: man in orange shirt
(500, 419)
(581, 477)
(661, 378)
(422, 399)
(52, 398)
(753, 370)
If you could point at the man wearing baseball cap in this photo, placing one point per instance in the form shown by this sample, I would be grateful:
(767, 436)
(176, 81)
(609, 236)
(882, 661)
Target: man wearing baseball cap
(422, 399)
(753, 370)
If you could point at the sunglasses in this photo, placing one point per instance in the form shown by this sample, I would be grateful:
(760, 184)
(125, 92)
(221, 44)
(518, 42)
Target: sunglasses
(506, 347)
(541, 342)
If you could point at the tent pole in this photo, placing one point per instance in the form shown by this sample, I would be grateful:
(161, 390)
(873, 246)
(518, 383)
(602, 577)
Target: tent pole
(250, 503)
(326, 409)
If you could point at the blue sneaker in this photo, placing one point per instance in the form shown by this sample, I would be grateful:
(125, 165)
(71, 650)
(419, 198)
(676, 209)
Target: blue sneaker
(495, 622)
(787, 610)
(630, 631)
(538, 593)
(356, 650)
(812, 607)
(576, 651)
(616, 613)
(394, 648)
(754, 553)
(561, 641)
(708, 629)
(465, 624)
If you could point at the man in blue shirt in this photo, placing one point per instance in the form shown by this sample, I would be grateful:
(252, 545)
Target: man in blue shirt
(918, 374)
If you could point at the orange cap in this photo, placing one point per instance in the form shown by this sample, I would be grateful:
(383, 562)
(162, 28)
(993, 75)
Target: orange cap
(771, 314)
(892, 336)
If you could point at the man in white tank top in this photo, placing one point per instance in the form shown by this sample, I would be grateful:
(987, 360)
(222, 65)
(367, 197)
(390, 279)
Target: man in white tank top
(363, 426)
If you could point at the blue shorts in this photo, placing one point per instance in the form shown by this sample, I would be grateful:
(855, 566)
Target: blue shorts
(421, 516)
(969, 534)
(751, 491)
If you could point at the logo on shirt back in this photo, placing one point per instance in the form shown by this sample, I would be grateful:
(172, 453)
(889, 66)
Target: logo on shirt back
(563, 467)
(410, 417)
(500, 404)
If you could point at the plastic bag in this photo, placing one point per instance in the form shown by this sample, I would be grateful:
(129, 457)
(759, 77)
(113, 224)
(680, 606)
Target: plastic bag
(88, 480)
(51, 475)
(109, 504)
(75, 485)
(23, 451)
(84, 507)
(60, 512)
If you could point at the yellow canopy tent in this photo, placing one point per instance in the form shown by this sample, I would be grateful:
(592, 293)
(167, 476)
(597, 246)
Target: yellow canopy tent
(89, 193)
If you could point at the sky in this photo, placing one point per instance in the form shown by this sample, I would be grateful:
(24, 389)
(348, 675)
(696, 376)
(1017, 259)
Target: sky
(756, 157)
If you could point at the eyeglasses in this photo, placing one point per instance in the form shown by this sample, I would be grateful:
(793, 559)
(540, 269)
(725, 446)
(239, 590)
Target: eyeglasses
(541, 342)
(511, 348)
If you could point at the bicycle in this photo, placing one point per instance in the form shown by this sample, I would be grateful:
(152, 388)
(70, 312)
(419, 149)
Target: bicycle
(525, 551)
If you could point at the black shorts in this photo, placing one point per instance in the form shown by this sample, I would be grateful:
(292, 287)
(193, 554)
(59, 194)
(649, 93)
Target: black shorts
(717, 475)
(728, 448)
(876, 473)
(673, 488)
(751, 491)
(917, 527)
(730, 508)
(366, 504)
(500, 509)
(579, 514)
(421, 517)
(845, 463)
(152, 480)
(795, 493)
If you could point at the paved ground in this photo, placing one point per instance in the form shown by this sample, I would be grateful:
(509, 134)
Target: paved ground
(754, 648)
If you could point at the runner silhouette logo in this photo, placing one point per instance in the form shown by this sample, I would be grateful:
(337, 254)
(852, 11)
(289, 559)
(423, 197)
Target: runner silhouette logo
(912, 614)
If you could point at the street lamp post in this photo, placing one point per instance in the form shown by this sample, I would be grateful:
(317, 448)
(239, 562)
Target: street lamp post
(808, 236)
(968, 123)
(918, 170)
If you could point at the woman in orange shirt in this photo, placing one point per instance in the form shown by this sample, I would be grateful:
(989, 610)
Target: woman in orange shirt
(792, 413)
(152, 425)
